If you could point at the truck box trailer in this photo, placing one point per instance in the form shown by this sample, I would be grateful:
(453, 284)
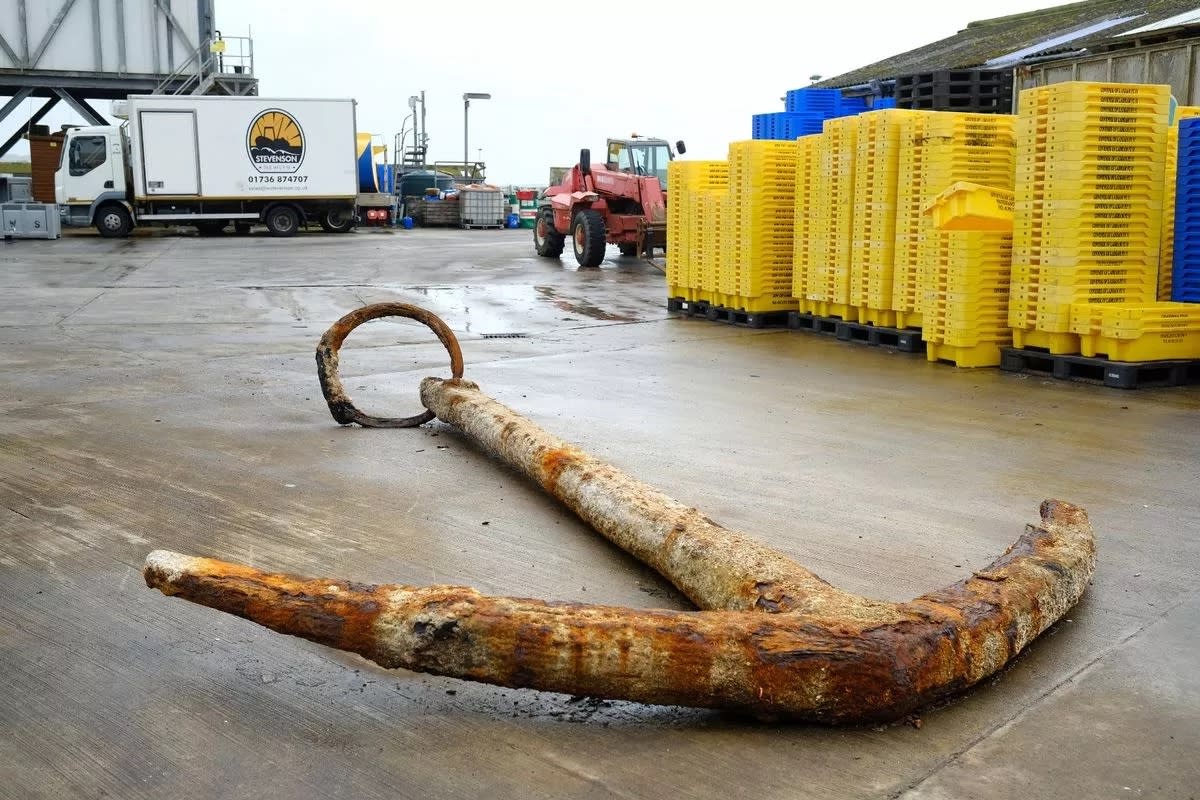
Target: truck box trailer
(209, 161)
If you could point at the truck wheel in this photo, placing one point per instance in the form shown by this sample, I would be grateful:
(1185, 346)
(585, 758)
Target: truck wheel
(282, 221)
(337, 220)
(547, 241)
(211, 227)
(113, 221)
(628, 250)
(587, 232)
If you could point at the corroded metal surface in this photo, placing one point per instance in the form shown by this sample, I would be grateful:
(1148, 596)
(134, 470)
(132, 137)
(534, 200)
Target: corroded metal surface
(340, 405)
(771, 638)
(828, 667)
(715, 567)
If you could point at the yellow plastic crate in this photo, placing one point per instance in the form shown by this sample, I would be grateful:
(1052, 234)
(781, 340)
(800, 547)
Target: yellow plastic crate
(1092, 91)
(1148, 347)
(971, 207)
(761, 304)
(1054, 343)
(986, 354)
(1132, 320)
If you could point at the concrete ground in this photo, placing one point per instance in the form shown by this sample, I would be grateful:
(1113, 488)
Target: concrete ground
(161, 392)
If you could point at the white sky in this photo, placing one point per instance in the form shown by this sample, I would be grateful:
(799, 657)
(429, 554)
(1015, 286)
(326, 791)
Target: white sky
(565, 75)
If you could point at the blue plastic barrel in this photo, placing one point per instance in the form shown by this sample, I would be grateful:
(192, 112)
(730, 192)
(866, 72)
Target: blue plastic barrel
(407, 222)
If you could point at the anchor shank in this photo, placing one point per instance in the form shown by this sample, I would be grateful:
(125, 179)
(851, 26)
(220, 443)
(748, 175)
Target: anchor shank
(715, 567)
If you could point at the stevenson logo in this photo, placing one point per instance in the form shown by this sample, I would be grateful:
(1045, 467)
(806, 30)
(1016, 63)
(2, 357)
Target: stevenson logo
(275, 142)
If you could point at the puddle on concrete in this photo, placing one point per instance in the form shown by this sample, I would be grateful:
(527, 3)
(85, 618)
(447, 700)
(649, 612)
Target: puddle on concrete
(580, 307)
(504, 310)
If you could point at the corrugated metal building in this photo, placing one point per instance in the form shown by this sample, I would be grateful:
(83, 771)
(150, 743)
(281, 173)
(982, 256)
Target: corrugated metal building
(1123, 41)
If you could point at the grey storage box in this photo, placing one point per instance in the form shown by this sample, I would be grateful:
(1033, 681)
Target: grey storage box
(16, 189)
(30, 220)
(482, 208)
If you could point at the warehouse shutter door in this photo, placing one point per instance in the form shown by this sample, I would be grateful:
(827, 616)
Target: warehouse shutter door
(169, 153)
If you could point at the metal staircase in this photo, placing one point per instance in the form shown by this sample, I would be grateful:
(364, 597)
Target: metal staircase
(221, 66)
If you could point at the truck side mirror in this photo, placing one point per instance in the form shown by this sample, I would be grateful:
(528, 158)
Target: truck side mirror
(585, 161)
(680, 147)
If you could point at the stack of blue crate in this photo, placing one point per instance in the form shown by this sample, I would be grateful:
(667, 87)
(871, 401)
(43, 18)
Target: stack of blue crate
(1185, 274)
(805, 113)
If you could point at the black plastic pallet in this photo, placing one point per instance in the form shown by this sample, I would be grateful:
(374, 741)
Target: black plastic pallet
(905, 341)
(693, 308)
(1114, 374)
(955, 97)
(750, 319)
(956, 76)
(977, 91)
(730, 316)
(993, 105)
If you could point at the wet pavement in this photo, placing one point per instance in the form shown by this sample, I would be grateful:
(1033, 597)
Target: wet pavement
(161, 392)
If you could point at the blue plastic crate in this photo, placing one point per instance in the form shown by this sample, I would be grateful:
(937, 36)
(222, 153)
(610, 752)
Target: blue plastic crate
(849, 106)
(799, 101)
(1185, 266)
(883, 102)
(759, 126)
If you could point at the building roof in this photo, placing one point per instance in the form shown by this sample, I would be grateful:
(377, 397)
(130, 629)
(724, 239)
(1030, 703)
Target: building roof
(1005, 41)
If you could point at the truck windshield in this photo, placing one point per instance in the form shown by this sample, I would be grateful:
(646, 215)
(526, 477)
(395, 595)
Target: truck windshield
(651, 160)
(86, 153)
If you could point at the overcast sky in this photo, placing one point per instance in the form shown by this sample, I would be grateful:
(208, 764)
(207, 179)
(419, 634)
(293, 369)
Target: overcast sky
(565, 75)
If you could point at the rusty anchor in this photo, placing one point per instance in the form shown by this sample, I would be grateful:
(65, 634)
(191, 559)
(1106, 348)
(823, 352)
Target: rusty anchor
(770, 638)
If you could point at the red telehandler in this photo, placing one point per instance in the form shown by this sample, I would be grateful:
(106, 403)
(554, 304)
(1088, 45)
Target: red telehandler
(623, 202)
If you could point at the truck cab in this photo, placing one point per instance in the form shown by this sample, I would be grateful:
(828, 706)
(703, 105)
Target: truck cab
(641, 156)
(92, 172)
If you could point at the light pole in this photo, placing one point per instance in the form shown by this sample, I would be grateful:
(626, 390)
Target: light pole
(467, 98)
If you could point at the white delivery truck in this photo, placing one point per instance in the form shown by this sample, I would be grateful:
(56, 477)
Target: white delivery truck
(210, 161)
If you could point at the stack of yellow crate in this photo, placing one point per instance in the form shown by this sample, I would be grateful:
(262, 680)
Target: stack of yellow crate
(694, 201)
(727, 259)
(1138, 331)
(762, 183)
(678, 251)
(939, 149)
(963, 276)
(689, 253)
(707, 231)
(873, 241)
(965, 310)
(828, 275)
(1166, 251)
(1089, 205)
(804, 233)
(910, 220)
